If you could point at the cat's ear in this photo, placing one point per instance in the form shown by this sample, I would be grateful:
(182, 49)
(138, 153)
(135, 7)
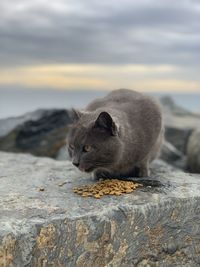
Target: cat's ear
(75, 115)
(105, 121)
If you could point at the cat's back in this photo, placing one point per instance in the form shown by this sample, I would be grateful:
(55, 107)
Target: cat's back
(115, 99)
(131, 108)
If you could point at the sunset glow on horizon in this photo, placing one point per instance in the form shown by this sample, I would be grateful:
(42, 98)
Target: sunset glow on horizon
(148, 78)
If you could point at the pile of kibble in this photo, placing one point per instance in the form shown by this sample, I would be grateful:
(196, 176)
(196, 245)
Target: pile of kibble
(107, 187)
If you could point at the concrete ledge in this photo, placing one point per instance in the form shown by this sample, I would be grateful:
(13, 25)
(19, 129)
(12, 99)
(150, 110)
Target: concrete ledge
(153, 226)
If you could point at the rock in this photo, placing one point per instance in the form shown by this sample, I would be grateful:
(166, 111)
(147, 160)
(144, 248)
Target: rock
(179, 123)
(63, 154)
(169, 153)
(181, 163)
(173, 156)
(193, 152)
(7, 125)
(178, 117)
(157, 225)
(42, 136)
(171, 107)
(178, 137)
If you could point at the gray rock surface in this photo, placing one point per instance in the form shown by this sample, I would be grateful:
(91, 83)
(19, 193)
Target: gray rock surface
(63, 154)
(169, 153)
(193, 152)
(178, 117)
(178, 137)
(7, 125)
(157, 225)
(173, 156)
(42, 134)
(170, 106)
(181, 122)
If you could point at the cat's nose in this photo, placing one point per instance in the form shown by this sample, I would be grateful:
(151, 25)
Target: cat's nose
(75, 163)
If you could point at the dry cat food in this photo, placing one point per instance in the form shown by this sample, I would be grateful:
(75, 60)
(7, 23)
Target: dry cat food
(107, 187)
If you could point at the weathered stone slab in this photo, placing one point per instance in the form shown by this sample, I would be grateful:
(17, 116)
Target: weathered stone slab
(158, 225)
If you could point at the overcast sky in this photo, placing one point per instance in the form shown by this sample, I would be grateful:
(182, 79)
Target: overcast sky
(148, 45)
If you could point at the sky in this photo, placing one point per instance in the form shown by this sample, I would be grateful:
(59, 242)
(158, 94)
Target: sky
(147, 45)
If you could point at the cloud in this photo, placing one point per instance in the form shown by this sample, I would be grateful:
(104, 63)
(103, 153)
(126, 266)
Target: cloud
(147, 44)
(100, 32)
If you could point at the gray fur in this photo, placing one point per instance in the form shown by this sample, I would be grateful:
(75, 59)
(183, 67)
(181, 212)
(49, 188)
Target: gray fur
(125, 131)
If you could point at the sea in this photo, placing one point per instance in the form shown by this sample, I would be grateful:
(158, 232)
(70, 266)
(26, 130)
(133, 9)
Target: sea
(16, 102)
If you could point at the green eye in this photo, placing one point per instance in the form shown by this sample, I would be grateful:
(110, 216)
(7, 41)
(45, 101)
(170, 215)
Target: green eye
(87, 148)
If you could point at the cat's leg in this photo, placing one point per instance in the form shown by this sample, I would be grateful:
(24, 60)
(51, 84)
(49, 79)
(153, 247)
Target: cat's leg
(143, 169)
(101, 174)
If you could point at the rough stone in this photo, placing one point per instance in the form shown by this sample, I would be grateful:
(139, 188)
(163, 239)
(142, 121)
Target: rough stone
(8, 124)
(173, 156)
(193, 152)
(157, 225)
(178, 117)
(178, 137)
(42, 135)
(169, 153)
(63, 154)
(170, 106)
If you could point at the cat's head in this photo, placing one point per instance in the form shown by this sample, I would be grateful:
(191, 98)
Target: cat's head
(93, 141)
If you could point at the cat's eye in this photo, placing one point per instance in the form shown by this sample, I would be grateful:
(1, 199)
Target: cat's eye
(87, 148)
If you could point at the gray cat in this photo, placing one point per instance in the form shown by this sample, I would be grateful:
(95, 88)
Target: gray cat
(116, 136)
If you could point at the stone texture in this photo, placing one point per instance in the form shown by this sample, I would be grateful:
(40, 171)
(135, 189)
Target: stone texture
(43, 134)
(178, 137)
(43, 223)
(178, 117)
(8, 124)
(173, 156)
(169, 153)
(63, 154)
(170, 106)
(193, 152)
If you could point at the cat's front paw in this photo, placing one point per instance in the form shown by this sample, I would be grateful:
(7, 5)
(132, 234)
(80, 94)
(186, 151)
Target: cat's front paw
(95, 176)
(101, 175)
(143, 172)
